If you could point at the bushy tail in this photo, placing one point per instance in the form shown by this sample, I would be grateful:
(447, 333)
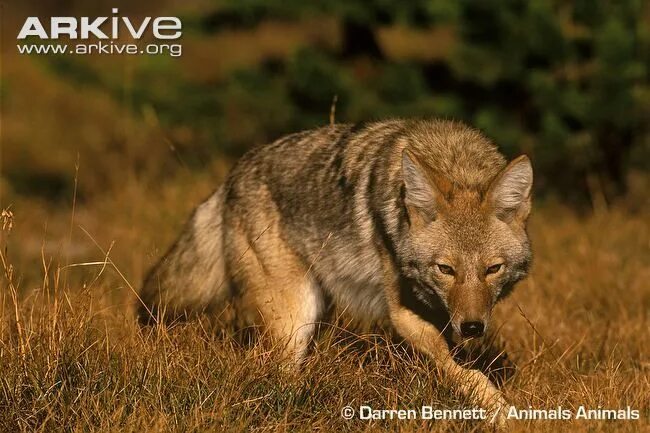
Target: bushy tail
(191, 277)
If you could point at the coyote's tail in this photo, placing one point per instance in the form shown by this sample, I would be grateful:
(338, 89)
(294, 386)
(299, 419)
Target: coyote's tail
(191, 277)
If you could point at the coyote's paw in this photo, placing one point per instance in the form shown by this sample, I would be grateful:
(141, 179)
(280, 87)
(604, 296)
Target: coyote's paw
(496, 407)
(497, 414)
(490, 398)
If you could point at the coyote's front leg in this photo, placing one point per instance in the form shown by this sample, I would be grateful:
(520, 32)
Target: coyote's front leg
(425, 337)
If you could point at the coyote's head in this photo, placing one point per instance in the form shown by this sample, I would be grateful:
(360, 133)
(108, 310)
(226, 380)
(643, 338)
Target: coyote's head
(466, 245)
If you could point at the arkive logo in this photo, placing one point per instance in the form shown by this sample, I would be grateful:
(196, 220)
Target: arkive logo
(107, 35)
(113, 27)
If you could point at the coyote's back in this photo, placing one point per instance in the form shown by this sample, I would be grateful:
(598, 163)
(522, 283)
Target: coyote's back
(329, 190)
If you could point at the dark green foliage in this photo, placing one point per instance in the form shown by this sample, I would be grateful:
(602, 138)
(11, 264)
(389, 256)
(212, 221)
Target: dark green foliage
(566, 82)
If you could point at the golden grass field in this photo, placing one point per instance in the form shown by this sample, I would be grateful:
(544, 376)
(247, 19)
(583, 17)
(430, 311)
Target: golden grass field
(73, 358)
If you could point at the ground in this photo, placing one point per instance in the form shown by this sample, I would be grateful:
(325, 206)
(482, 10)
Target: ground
(72, 357)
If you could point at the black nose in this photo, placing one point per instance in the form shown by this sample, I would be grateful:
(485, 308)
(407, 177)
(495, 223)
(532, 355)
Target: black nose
(471, 329)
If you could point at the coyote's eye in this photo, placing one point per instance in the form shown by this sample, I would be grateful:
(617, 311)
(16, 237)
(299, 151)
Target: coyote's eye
(494, 269)
(446, 269)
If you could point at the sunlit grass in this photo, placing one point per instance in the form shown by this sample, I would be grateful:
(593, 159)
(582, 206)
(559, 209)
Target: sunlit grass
(73, 358)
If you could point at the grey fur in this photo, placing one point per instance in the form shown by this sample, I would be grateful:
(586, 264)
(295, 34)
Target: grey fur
(367, 216)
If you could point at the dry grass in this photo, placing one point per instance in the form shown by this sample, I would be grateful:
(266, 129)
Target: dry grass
(72, 357)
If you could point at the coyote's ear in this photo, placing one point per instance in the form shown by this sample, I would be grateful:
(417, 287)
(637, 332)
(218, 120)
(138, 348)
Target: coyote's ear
(421, 196)
(510, 193)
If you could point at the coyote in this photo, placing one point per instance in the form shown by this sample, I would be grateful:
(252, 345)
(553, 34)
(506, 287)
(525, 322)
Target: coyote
(417, 223)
